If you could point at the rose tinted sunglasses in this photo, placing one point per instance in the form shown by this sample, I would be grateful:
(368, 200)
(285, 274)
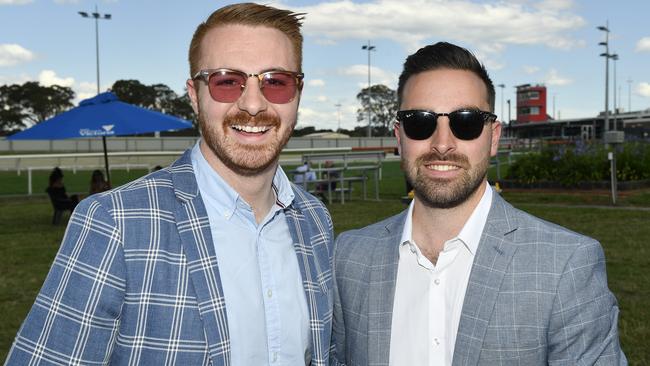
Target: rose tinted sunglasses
(465, 124)
(226, 85)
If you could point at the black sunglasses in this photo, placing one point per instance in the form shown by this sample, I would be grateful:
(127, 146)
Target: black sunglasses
(465, 124)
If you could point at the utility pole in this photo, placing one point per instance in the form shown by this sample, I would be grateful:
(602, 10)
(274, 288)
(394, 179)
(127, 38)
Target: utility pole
(369, 48)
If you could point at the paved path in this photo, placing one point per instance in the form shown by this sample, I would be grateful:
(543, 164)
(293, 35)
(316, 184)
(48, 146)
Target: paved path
(629, 208)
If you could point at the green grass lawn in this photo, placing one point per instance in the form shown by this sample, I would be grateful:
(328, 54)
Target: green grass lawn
(28, 243)
(79, 182)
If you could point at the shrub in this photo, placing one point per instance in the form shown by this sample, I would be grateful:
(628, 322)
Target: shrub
(570, 165)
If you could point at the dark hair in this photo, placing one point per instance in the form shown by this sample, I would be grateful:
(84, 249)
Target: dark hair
(55, 175)
(443, 55)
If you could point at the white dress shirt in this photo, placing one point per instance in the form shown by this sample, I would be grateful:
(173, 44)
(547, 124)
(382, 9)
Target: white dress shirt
(429, 298)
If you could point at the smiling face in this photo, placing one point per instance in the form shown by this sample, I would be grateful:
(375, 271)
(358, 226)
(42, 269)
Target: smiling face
(444, 170)
(245, 136)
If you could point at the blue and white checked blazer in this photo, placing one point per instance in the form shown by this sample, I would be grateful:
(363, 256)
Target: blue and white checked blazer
(537, 295)
(136, 280)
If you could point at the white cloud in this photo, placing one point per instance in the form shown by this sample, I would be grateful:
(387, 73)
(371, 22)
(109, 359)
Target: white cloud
(323, 117)
(84, 90)
(530, 69)
(554, 78)
(643, 89)
(377, 75)
(316, 82)
(49, 78)
(492, 23)
(15, 2)
(12, 54)
(14, 79)
(322, 98)
(326, 42)
(554, 5)
(643, 45)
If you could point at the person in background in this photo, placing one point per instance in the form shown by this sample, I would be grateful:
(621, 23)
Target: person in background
(98, 183)
(217, 259)
(303, 174)
(332, 175)
(461, 277)
(57, 193)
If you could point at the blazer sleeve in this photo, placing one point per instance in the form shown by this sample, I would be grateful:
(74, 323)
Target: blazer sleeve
(584, 323)
(75, 317)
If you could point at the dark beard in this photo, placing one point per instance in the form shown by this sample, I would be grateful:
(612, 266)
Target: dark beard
(444, 193)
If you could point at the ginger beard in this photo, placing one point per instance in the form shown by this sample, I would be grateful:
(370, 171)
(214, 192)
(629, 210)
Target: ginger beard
(444, 193)
(245, 159)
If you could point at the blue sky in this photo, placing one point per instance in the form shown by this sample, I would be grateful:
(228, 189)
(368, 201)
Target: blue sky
(554, 42)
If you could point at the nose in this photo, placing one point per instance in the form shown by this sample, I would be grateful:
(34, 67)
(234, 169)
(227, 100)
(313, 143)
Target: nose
(443, 140)
(252, 100)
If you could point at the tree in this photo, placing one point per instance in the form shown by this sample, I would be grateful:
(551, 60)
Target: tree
(134, 92)
(382, 103)
(159, 97)
(31, 103)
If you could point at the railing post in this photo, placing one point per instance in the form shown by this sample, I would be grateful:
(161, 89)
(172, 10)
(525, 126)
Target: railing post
(29, 181)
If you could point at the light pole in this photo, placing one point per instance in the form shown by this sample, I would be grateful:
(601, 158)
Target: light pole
(629, 95)
(613, 138)
(369, 48)
(554, 94)
(338, 112)
(502, 86)
(97, 16)
(614, 57)
(606, 55)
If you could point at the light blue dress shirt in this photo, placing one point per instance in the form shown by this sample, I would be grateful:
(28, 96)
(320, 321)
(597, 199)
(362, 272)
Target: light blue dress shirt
(266, 306)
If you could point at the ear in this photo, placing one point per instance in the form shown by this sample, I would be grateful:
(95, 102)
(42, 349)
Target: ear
(496, 135)
(193, 94)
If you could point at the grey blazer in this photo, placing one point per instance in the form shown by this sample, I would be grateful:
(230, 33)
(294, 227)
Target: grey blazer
(537, 295)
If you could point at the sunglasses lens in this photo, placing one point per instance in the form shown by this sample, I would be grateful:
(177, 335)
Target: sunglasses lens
(279, 87)
(421, 124)
(466, 124)
(226, 86)
(418, 125)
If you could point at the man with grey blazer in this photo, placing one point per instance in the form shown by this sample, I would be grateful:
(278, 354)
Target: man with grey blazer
(461, 277)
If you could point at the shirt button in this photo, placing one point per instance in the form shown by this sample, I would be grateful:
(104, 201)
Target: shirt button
(437, 282)
(275, 357)
(436, 342)
(269, 293)
(412, 247)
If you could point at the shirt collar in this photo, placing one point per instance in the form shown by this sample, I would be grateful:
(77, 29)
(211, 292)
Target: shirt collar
(213, 186)
(471, 232)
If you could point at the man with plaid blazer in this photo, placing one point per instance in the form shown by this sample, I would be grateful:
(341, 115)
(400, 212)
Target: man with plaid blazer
(218, 259)
(461, 277)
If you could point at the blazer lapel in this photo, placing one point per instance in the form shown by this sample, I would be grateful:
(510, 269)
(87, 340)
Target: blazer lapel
(493, 256)
(312, 249)
(196, 240)
(381, 291)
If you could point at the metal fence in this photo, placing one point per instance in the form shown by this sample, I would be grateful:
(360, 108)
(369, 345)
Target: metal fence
(130, 144)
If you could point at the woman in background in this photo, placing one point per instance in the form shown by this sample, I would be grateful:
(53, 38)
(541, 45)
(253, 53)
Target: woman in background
(98, 183)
